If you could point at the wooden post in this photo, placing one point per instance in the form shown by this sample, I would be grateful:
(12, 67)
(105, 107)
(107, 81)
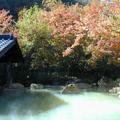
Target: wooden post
(9, 74)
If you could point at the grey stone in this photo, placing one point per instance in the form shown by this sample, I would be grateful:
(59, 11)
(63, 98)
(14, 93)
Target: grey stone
(115, 90)
(70, 89)
(83, 85)
(34, 86)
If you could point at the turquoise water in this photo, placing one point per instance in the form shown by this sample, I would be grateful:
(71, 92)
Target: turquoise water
(53, 106)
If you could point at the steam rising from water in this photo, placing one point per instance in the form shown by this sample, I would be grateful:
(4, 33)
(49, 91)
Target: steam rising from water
(86, 106)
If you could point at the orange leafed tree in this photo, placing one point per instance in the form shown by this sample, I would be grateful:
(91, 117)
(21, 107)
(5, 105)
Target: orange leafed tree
(96, 27)
(6, 23)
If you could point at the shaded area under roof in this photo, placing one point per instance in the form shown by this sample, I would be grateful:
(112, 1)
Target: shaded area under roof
(9, 49)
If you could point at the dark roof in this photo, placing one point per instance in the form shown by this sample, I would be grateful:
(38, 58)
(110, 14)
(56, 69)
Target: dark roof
(6, 42)
(9, 49)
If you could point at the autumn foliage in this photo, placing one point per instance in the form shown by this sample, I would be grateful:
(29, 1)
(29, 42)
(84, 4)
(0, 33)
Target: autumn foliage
(95, 27)
(92, 31)
(5, 22)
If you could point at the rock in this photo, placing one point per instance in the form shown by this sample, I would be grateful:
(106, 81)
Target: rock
(111, 83)
(34, 86)
(119, 96)
(83, 85)
(94, 86)
(16, 86)
(54, 87)
(118, 93)
(70, 89)
(101, 83)
(105, 82)
(115, 90)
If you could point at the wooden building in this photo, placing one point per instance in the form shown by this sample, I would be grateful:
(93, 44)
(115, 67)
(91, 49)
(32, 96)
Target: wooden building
(9, 49)
(9, 53)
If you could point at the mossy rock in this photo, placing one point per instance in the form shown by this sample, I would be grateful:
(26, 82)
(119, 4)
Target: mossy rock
(71, 89)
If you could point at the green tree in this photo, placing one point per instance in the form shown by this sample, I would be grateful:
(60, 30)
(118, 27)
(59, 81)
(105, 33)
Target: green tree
(38, 47)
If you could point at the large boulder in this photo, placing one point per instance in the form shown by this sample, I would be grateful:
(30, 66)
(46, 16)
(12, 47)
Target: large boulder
(34, 86)
(70, 89)
(83, 86)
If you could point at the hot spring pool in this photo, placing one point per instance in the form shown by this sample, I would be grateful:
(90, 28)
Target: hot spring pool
(52, 106)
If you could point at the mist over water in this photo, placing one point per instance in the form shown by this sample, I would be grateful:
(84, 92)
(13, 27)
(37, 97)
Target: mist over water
(49, 106)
